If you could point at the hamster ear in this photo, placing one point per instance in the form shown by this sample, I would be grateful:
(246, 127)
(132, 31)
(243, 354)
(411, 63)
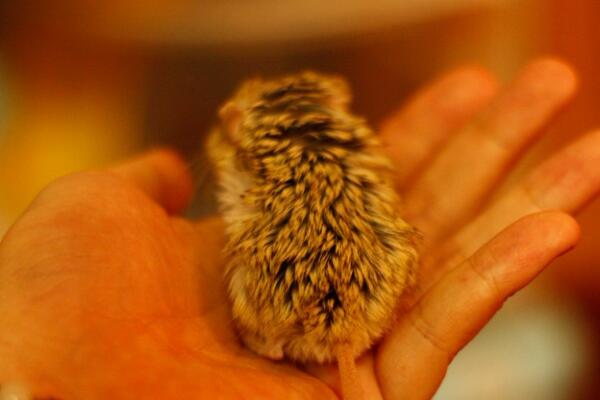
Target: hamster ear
(231, 119)
(341, 95)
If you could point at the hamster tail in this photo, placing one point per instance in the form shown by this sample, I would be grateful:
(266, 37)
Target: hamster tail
(349, 379)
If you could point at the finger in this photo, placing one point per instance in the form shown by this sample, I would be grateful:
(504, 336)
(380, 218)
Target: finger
(416, 132)
(460, 177)
(567, 182)
(162, 175)
(414, 357)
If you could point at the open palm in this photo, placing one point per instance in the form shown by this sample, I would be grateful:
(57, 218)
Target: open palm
(106, 293)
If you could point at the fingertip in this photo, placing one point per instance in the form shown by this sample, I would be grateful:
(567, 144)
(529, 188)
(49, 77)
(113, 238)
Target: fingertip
(564, 229)
(457, 91)
(552, 221)
(166, 158)
(554, 74)
(428, 119)
(473, 76)
(163, 175)
(464, 89)
(179, 190)
(538, 238)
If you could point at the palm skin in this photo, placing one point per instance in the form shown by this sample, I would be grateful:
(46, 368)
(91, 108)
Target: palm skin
(106, 293)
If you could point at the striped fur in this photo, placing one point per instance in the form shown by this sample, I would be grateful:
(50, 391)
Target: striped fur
(318, 254)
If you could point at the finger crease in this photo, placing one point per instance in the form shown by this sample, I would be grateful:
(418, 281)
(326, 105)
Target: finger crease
(454, 255)
(488, 280)
(426, 331)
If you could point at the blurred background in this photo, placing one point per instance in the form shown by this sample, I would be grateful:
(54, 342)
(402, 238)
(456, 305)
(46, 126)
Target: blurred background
(87, 82)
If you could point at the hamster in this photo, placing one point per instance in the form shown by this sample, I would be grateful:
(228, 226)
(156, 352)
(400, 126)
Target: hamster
(317, 252)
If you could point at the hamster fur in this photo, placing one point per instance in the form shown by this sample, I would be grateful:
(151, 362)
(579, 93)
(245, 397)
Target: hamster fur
(317, 252)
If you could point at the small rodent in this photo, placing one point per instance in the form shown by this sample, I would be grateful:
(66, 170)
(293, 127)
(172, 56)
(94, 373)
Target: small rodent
(317, 253)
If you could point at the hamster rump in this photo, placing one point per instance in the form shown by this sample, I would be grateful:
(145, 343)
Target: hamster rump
(317, 253)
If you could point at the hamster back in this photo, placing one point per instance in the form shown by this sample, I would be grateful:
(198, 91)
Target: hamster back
(317, 253)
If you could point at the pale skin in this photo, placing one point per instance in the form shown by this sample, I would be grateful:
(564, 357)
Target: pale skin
(105, 292)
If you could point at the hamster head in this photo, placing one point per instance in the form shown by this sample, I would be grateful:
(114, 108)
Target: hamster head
(281, 120)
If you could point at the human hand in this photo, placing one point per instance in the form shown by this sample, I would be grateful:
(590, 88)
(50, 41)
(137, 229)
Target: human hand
(454, 143)
(108, 294)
